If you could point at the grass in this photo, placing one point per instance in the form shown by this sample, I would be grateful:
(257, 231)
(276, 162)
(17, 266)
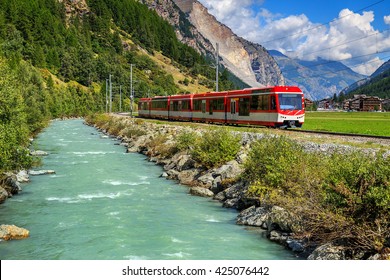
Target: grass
(349, 122)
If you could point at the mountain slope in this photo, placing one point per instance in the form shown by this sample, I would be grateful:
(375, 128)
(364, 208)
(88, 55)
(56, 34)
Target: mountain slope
(248, 61)
(317, 79)
(366, 81)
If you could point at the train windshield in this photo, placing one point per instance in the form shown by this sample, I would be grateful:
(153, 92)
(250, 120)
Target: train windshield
(290, 101)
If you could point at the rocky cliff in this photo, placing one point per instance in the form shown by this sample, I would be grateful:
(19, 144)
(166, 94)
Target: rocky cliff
(199, 29)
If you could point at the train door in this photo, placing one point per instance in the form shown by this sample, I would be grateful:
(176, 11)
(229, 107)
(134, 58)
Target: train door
(233, 109)
(204, 109)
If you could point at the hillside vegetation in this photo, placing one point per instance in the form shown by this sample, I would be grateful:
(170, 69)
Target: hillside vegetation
(55, 63)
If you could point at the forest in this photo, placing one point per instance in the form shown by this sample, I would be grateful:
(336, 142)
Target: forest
(55, 65)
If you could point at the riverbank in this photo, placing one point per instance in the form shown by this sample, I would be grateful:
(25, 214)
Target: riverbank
(225, 182)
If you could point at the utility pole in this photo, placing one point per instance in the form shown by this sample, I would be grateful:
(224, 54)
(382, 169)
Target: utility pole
(106, 94)
(110, 93)
(131, 90)
(217, 67)
(120, 98)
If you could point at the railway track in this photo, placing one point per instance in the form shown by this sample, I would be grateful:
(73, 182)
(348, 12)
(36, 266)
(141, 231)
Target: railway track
(340, 134)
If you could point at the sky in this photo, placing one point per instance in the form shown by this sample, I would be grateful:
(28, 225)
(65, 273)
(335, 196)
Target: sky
(356, 33)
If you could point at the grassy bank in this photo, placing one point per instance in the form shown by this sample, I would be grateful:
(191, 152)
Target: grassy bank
(371, 123)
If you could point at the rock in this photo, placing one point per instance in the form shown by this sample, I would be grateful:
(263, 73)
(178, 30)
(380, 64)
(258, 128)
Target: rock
(295, 245)
(41, 172)
(38, 153)
(8, 232)
(328, 251)
(229, 170)
(206, 180)
(11, 185)
(253, 216)
(279, 218)
(199, 191)
(173, 174)
(185, 162)
(278, 236)
(216, 187)
(220, 196)
(3, 195)
(231, 203)
(187, 177)
(22, 176)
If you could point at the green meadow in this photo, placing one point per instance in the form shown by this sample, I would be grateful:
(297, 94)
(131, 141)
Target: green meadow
(371, 123)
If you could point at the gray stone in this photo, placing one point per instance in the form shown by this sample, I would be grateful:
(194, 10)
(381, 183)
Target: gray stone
(229, 170)
(185, 162)
(22, 176)
(253, 216)
(187, 177)
(328, 251)
(199, 191)
(295, 245)
(3, 195)
(38, 153)
(41, 172)
(231, 203)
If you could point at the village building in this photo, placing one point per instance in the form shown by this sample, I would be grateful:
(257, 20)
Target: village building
(363, 103)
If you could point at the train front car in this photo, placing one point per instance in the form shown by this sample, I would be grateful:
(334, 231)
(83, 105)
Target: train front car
(290, 107)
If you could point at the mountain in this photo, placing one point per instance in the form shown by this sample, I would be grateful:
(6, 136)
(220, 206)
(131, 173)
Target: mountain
(318, 79)
(368, 80)
(196, 27)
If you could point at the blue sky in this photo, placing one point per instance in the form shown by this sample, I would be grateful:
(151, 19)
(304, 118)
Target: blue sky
(353, 32)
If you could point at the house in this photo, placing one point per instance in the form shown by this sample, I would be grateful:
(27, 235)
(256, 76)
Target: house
(363, 103)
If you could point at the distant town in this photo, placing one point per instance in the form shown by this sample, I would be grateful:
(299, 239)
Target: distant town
(362, 103)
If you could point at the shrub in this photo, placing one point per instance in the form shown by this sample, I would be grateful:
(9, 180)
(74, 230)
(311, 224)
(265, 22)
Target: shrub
(216, 147)
(186, 140)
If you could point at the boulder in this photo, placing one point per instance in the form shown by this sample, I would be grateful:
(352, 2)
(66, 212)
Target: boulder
(38, 153)
(253, 216)
(199, 191)
(22, 176)
(187, 177)
(41, 172)
(206, 180)
(11, 185)
(185, 162)
(229, 170)
(8, 232)
(328, 251)
(279, 218)
(3, 195)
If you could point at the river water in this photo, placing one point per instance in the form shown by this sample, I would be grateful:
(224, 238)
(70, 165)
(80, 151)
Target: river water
(103, 203)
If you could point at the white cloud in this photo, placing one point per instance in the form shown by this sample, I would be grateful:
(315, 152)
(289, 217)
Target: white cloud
(386, 19)
(350, 35)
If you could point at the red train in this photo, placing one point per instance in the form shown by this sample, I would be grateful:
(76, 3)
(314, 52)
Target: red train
(277, 106)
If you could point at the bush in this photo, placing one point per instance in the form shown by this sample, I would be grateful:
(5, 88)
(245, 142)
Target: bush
(342, 198)
(186, 140)
(216, 147)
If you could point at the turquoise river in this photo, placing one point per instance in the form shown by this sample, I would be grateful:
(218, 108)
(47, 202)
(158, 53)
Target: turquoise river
(106, 204)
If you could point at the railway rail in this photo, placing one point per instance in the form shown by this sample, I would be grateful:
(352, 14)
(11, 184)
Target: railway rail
(340, 134)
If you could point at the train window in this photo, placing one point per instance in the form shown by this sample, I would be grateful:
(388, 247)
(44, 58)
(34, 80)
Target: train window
(197, 105)
(290, 101)
(255, 102)
(159, 104)
(217, 104)
(264, 103)
(273, 102)
(244, 107)
(175, 106)
(185, 105)
(260, 102)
